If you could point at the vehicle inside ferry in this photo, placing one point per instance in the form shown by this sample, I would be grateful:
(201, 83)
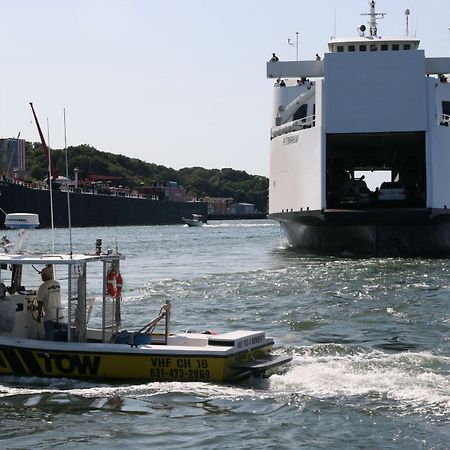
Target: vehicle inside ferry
(397, 161)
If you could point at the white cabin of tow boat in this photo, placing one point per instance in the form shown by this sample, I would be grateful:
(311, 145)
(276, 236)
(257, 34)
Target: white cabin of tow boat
(18, 300)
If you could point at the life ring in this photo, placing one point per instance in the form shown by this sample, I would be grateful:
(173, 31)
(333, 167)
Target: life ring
(114, 283)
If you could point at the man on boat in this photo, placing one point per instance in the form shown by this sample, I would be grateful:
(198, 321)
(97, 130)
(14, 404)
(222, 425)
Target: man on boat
(49, 302)
(274, 58)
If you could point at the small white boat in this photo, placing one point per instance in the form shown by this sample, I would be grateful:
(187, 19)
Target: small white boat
(196, 221)
(108, 352)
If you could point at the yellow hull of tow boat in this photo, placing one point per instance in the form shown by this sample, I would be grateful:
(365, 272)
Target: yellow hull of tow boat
(122, 362)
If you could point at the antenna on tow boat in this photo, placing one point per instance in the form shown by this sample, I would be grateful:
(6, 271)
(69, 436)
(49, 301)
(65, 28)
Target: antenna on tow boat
(52, 173)
(67, 186)
(50, 186)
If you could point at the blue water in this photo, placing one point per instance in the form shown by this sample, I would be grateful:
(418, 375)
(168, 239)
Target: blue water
(369, 338)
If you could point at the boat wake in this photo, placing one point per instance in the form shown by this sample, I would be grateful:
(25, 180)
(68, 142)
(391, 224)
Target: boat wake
(409, 383)
(242, 225)
(413, 381)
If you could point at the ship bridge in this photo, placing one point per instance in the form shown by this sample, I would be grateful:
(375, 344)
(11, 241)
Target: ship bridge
(373, 44)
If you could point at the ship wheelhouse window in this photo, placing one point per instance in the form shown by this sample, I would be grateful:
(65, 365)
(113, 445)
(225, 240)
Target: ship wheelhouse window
(407, 47)
(373, 48)
(351, 48)
(340, 48)
(395, 47)
(363, 48)
(384, 47)
(446, 108)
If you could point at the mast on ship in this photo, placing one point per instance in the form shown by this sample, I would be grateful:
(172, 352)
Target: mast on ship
(373, 18)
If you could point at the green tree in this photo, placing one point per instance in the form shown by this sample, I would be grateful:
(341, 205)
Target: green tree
(133, 172)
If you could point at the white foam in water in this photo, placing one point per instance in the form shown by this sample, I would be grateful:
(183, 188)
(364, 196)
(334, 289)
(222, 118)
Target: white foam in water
(241, 225)
(31, 386)
(401, 377)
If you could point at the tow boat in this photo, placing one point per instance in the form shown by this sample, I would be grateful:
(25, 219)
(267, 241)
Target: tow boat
(108, 352)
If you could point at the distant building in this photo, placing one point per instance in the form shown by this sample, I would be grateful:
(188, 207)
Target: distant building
(242, 208)
(218, 205)
(221, 206)
(168, 190)
(175, 193)
(12, 157)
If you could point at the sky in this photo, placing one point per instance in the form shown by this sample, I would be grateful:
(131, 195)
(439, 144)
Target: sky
(180, 83)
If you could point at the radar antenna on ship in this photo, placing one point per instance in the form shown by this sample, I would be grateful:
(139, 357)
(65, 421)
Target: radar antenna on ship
(373, 18)
(294, 44)
(407, 13)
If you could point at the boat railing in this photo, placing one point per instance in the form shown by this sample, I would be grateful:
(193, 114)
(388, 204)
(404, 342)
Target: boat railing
(444, 120)
(296, 125)
(286, 112)
(27, 184)
(89, 190)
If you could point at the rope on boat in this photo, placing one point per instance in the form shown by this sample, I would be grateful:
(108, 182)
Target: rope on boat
(149, 328)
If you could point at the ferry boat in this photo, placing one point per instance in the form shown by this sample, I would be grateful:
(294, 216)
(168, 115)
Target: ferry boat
(372, 104)
(108, 352)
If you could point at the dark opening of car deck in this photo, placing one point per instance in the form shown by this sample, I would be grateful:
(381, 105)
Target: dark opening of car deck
(402, 154)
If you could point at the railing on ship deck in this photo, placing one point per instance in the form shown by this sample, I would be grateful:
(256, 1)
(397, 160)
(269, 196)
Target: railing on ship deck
(115, 192)
(296, 125)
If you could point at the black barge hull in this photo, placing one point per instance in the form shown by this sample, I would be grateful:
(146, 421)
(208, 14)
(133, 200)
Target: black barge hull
(94, 210)
(423, 232)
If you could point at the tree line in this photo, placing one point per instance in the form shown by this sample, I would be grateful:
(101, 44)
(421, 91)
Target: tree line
(135, 173)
